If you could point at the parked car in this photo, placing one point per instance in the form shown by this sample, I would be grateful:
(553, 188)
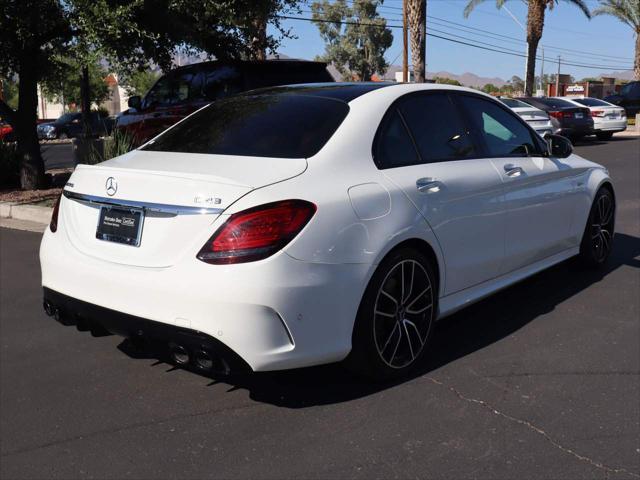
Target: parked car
(628, 98)
(186, 89)
(69, 125)
(568, 119)
(607, 118)
(6, 132)
(538, 119)
(303, 225)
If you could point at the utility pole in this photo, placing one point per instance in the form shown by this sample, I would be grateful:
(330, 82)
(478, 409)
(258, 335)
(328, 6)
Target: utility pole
(558, 79)
(542, 73)
(405, 47)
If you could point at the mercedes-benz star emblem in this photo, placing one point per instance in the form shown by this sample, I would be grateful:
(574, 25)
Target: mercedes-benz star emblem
(111, 186)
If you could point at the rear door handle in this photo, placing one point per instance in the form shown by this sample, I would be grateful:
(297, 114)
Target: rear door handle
(428, 185)
(513, 171)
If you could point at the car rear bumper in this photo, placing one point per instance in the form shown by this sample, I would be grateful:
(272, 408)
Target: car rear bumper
(274, 314)
(161, 336)
(611, 126)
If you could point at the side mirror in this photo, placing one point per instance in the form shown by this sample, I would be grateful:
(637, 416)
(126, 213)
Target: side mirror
(559, 146)
(134, 102)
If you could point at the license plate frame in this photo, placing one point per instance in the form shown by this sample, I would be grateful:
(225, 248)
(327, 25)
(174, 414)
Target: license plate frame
(123, 225)
(579, 115)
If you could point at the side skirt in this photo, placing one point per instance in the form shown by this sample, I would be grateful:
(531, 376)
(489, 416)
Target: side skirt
(456, 301)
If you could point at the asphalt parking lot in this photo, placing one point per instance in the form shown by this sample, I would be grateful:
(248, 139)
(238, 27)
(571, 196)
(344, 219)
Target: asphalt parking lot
(539, 381)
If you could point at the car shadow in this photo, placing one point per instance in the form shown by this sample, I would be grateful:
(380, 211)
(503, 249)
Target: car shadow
(465, 332)
(593, 141)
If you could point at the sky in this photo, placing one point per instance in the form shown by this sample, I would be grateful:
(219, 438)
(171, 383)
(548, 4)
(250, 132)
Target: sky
(603, 43)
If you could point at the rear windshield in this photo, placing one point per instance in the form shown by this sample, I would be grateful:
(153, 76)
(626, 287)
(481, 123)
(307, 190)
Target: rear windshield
(591, 102)
(513, 103)
(555, 103)
(283, 126)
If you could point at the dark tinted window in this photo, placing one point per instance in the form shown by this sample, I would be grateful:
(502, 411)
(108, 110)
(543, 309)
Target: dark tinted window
(513, 103)
(269, 74)
(219, 83)
(393, 146)
(285, 126)
(436, 127)
(554, 102)
(591, 102)
(504, 133)
(170, 89)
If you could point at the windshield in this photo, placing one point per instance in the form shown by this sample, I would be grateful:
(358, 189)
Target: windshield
(282, 126)
(591, 102)
(513, 103)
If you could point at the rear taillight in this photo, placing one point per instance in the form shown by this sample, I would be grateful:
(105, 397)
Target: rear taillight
(597, 113)
(257, 233)
(555, 114)
(53, 225)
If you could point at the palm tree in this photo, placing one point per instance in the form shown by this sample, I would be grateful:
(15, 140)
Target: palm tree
(627, 11)
(417, 20)
(535, 24)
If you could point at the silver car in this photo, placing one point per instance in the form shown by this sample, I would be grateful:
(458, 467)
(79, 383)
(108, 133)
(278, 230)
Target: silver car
(536, 118)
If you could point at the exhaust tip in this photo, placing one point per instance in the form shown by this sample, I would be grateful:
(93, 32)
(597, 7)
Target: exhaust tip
(204, 360)
(48, 308)
(179, 354)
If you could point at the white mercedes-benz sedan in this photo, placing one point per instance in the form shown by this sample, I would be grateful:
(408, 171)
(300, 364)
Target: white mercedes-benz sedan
(309, 224)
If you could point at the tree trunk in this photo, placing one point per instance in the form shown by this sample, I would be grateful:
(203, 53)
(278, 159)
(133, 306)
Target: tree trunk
(258, 42)
(417, 17)
(636, 63)
(86, 101)
(535, 24)
(32, 166)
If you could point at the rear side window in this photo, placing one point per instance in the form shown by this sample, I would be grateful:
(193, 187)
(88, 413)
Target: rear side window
(504, 134)
(220, 82)
(436, 127)
(283, 126)
(394, 146)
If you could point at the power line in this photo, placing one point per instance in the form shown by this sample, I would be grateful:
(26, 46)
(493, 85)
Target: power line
(595, 55)
(493, 48)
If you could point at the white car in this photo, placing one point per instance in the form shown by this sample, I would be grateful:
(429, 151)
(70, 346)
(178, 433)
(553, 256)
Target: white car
(309, 224)
(607, 117)
(538, 119)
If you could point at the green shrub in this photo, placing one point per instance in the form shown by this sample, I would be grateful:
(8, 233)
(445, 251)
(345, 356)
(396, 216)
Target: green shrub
(9, 165)
(117, 144)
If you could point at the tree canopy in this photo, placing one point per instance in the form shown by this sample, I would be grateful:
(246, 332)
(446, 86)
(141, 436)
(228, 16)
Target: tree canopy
(39, 36)
(356, 37)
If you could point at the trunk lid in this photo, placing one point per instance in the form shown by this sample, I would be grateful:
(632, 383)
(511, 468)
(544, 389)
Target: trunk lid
(180, 196)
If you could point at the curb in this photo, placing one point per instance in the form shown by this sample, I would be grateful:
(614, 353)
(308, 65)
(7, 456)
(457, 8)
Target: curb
(31, 213)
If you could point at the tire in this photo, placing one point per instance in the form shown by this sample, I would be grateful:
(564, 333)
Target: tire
(597, 240)
(604, 135)
(395, 318)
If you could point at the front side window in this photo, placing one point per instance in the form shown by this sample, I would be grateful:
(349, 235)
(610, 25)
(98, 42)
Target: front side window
(282, 126)
(437, 129)
(504, 134)
(170, 90)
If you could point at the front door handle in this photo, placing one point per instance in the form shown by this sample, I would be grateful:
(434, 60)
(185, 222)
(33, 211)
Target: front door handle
(512, 170)
(428, 185)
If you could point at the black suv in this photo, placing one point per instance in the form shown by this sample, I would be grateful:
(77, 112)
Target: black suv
(186, 89)
(628, 98)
